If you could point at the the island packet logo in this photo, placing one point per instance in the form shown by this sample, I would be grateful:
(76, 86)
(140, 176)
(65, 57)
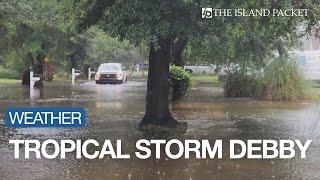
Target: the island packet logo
(206, 13)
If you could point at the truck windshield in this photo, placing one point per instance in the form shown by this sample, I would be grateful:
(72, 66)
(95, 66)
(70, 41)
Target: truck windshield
(109, 67)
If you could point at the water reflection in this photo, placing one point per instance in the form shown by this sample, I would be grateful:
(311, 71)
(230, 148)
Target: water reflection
(36, 93)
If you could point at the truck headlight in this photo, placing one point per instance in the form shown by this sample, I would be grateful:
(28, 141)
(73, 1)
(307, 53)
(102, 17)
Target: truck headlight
(119, 75)
(97, 76)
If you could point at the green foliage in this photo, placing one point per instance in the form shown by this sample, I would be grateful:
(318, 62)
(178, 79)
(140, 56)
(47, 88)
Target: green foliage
(102, 47)
(13, 61)
(205, 79)
(313, 90)
(29, 28)
(241, 85)
(179, 81)
(142, 20)
(93, 12)
(61, 75)
(93, 47)
(281, 80)
(250, 40)
(8, 74)
(32, 29)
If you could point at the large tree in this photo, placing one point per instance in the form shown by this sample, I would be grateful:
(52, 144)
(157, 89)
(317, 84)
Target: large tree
(169, 25)
(161, 24)
(35, 31)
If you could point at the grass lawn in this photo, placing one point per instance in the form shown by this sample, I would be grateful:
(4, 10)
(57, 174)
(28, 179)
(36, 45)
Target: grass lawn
(206, 79)
(313, 90)
(55, 82)
(10, 81)
(137, 74)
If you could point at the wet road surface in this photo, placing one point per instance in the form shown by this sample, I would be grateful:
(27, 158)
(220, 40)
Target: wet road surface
(113, 111)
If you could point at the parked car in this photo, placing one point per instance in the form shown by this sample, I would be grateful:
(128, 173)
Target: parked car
(225, 70)
(112, 73)
(200, 69)
(142, 67)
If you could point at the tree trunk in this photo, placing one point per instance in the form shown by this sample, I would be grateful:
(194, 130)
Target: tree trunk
(157, 98)
(73, 60)
(47, 70)
(178, 48)
(38, 65)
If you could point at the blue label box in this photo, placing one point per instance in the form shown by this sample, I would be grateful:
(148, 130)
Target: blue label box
(46, 117)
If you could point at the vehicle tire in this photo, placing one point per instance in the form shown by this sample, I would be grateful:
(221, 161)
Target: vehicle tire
(189, 71)
(124, 80)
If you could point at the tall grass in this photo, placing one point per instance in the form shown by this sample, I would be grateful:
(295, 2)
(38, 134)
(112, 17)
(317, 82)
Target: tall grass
(239, 84)
(281, 80)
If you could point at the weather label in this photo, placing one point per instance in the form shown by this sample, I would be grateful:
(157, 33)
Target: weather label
(46, 117)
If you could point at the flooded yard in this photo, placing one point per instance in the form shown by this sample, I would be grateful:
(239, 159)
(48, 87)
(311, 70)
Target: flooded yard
(113, 112)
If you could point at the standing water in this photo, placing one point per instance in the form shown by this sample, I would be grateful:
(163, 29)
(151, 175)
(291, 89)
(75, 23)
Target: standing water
(113, 112)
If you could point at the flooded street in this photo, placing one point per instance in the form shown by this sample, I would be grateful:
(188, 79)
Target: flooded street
(113, 112)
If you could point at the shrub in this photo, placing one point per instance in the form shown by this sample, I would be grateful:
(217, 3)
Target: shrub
(241, 85)
(62, 75)
(8, 74)
(179, 82)
(281, 80)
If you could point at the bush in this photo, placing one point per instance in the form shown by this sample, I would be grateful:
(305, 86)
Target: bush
(63, 75)
(281, 80)
(241, 85)
(8, 74)
(179, 82)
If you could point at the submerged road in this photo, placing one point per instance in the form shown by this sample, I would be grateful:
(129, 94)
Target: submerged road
(114, 111)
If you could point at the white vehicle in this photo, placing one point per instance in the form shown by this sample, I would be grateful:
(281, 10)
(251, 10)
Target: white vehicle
(225, 70)
(112, 73)
(200, 69)
(141, 67)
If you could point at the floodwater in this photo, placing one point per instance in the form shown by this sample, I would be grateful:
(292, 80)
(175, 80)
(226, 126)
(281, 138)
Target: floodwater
(113, 111)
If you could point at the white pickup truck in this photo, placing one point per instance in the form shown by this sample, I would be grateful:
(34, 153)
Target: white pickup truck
(200, 69)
